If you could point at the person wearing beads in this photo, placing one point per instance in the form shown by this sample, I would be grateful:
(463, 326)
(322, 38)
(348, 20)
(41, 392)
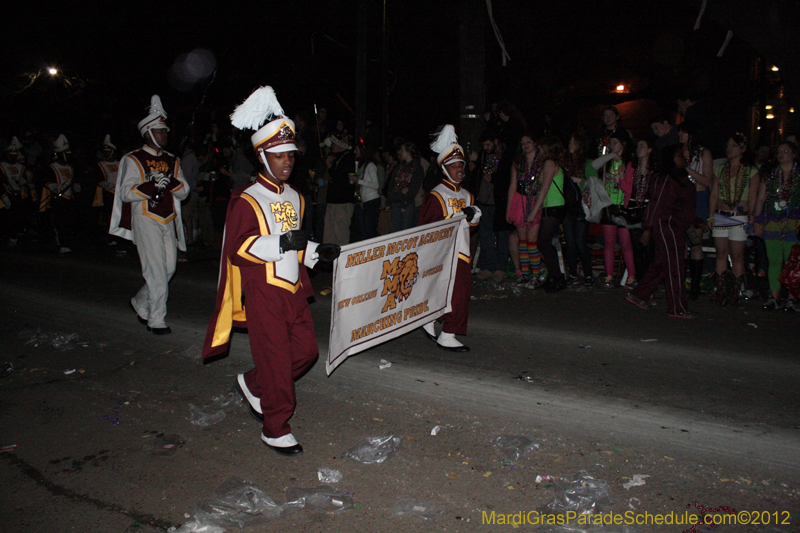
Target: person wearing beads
(406, 182)
(550, 208)
(613, 166)
(733, 199)
(522, 191)
(701, 172)
(611, 125)
(777, 212)
(578, 168)
(490, 182)
(640, 173)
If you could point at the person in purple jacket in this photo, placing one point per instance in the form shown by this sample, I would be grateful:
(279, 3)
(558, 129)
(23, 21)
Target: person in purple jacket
(669, 214)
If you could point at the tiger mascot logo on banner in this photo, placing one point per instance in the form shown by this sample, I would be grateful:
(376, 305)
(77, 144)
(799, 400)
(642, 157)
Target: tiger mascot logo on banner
(398, 278)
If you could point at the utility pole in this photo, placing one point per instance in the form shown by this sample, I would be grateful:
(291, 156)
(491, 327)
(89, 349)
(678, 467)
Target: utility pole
(361, 71)
(763, 134)
(472, 60)
(384, 79)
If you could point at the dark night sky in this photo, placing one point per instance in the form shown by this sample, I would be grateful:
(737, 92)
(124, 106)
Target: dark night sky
(565, 56)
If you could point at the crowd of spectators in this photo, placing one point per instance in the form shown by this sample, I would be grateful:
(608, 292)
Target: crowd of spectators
(530, 186)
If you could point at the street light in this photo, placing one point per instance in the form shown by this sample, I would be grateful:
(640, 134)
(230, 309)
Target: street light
(770, 116)
(620, 88)
(774, 68)
(53, 71)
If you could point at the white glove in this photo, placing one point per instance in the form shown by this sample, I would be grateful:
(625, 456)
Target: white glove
(52, 187)
(162, 182)
(7, 202)
(77, 187)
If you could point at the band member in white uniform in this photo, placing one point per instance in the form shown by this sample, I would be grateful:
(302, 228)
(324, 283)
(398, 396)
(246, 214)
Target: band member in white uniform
(147, 210)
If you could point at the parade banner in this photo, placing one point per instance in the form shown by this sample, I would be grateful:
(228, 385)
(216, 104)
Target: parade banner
(387, 286)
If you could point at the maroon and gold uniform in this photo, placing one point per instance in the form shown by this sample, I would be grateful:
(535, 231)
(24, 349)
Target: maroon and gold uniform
(59, 185)
(16, 179)
(106, 172)
(444, 201)
(265, 290)
(58, 201)
(17, 186)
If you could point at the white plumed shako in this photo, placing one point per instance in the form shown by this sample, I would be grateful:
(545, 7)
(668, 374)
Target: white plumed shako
(261, 106)
(445, 143)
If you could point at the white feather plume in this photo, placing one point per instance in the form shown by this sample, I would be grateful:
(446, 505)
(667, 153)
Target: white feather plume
(61, 143)
(156, 107)
(259, 107)
(446, 137)
(15, 144)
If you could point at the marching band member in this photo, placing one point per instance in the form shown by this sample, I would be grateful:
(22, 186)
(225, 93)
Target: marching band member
(147, 210)
(58, 196)
(263, 283)
(107, 169)
(445, 201)
(17, 187)
(106, 176)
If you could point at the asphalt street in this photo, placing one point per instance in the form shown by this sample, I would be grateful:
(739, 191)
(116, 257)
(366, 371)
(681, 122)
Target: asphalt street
(709, 409)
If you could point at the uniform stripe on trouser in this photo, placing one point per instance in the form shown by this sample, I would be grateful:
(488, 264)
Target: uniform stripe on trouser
(667, 266)
(674, 284)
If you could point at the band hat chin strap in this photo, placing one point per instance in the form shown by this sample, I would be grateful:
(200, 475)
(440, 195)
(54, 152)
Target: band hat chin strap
(276, 149)
(156, 116)
(447, 177)
(264, 159)
(444, 168)
(152, 122)
(150, 132)
(157, 123)
(107, 144)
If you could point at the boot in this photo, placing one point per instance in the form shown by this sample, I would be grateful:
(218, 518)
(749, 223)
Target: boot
(712, 282)
(696, 273)
(719, 289)
(739, 286)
